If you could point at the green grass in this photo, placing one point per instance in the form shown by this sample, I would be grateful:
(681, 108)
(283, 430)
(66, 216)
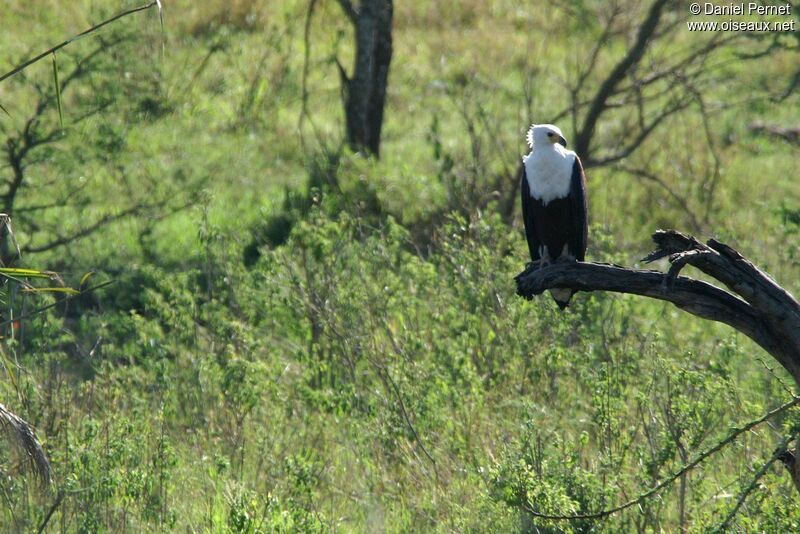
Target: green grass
(375, 373)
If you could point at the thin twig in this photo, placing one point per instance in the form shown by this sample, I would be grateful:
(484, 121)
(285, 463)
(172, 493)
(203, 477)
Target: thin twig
(672, 478)
(61, 45)
(304, 114)
(56, 504)
(102, 221)
(680, 201)
(723, 527)
(386, 378)
(771, 370)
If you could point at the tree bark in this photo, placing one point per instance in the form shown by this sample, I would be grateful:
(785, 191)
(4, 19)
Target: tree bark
(365, 91)
(753, 303)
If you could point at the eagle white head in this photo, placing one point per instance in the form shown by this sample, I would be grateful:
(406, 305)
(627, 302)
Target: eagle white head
(545, 135)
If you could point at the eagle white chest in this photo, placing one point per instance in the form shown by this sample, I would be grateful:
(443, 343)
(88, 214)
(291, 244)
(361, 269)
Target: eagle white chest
(548, 170)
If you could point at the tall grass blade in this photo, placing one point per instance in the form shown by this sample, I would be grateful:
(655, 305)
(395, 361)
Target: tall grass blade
(67, 290)
(58, 91)
(24, 273)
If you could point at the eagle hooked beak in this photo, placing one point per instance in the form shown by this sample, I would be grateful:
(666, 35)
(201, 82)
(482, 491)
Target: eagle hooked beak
(562, 142)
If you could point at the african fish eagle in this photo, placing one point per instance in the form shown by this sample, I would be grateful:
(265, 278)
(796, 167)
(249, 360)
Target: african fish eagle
(554, 205)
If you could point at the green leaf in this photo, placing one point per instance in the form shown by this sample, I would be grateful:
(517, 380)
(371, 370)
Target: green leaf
(58, 91)
(25, 273)
(67, 290)
(85, 278)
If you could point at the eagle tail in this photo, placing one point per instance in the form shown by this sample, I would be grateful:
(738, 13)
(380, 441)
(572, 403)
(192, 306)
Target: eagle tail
(562, 296)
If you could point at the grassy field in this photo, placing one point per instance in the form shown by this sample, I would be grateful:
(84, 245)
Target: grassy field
(375, 371)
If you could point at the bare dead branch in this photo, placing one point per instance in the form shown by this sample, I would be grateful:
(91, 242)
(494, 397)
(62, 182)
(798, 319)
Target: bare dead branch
(754, 305)
(735, 271)
(695, 296)
(790, 135)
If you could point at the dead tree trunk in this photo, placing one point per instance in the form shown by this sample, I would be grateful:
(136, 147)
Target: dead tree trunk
(754, 304)
(365, 90)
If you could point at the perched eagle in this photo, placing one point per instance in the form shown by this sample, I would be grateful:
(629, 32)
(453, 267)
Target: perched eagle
(554, 204)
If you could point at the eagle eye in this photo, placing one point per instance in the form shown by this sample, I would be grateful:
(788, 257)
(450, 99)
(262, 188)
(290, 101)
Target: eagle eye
(549, 134)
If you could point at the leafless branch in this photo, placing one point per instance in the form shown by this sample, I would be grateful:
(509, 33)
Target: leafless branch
(644, 131)
(62, 239)
(790, 88)
(51, 511)
(615, 77)
(679, 201)
(723, 526)
(648, 88)
(788, 134)
(391, 386)
(754, 304)
(19, 147)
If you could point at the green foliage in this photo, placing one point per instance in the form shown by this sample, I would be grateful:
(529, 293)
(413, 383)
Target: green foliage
(790, 221)
(368, 368)
(346, 363)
